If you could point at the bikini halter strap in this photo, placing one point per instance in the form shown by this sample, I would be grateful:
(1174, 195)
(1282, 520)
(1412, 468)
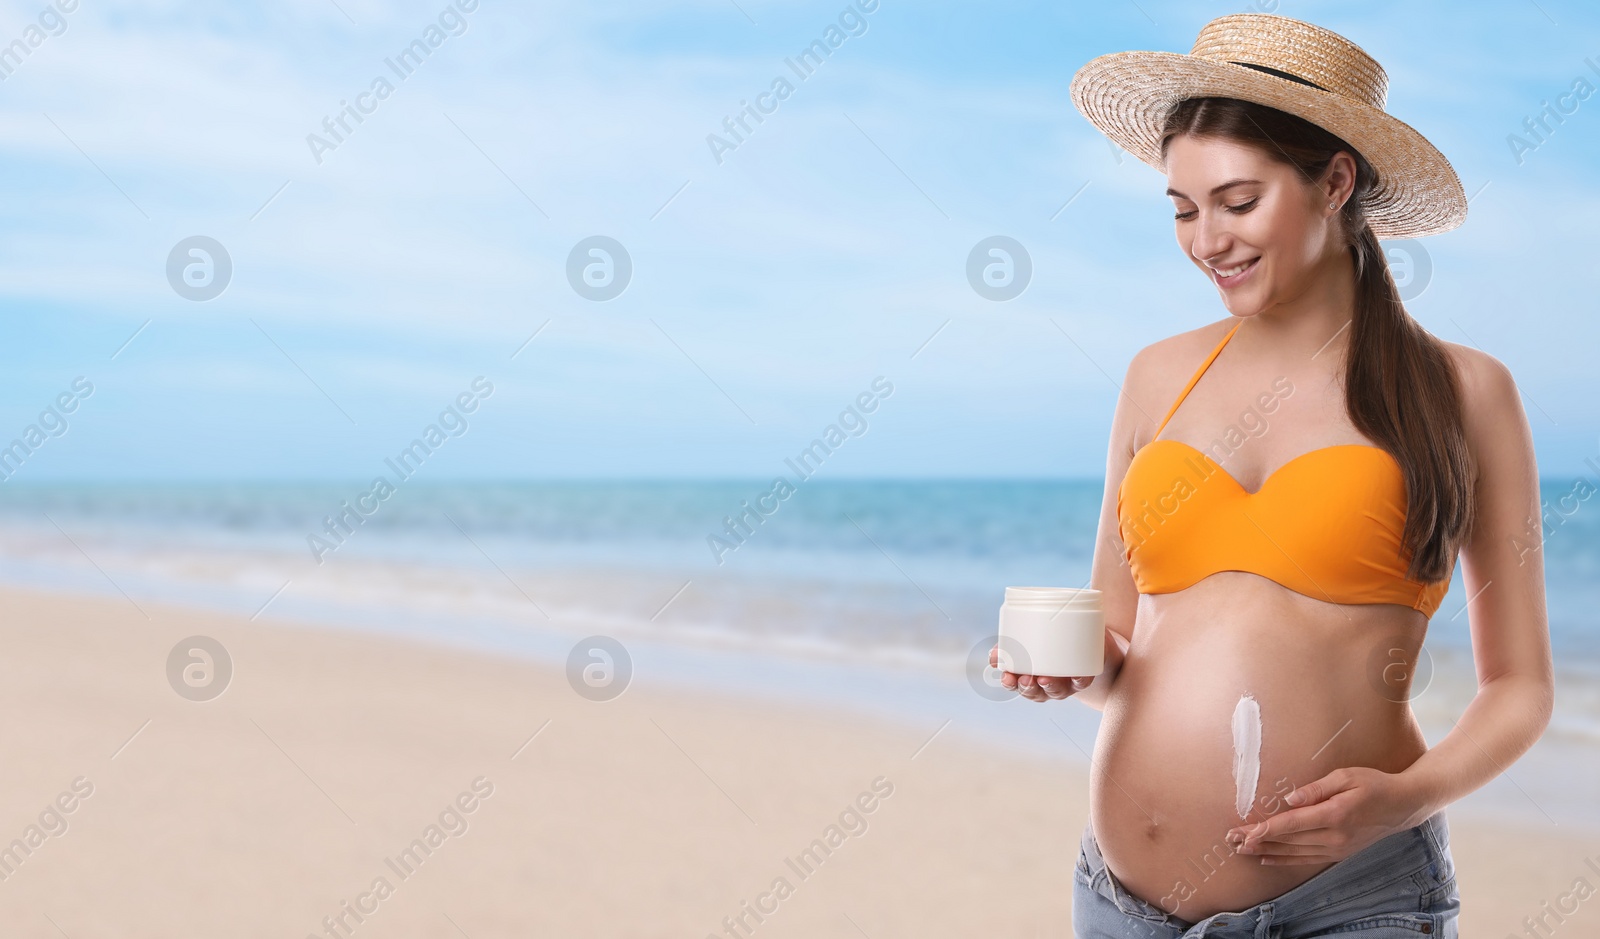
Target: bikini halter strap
(1202, 370)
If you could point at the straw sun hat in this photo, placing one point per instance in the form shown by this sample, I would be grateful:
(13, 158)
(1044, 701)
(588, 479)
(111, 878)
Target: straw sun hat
(1296, 67)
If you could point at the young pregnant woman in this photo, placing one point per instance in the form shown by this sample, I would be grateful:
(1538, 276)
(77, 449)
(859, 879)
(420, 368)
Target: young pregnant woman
(1287, 493)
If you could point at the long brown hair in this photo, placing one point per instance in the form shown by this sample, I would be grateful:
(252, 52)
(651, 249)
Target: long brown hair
(1400, 387)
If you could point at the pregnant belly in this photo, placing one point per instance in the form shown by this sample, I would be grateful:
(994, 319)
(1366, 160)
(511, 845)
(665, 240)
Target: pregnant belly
(1179, 756)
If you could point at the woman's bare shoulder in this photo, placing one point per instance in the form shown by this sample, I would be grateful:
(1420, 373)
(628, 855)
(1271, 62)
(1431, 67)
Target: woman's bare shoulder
(1170, 361)
(1157, 372)
(1486, 383)
(1186, 347)
(1495, 422)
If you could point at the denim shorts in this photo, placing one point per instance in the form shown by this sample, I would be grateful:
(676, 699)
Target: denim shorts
(1403, 885)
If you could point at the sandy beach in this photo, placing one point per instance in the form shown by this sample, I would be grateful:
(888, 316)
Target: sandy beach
(285, 801)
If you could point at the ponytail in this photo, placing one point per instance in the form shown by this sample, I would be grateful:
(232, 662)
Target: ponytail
(1401, 390)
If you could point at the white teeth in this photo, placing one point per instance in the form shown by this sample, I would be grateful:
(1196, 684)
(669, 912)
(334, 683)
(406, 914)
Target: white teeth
(1235, 270)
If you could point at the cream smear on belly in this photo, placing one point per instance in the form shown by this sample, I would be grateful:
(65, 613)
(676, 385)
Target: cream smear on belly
(1246, 753)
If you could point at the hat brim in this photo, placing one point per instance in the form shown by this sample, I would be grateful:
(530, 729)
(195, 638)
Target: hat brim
(1127, 96)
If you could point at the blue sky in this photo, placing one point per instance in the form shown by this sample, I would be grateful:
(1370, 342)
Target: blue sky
(768, 291)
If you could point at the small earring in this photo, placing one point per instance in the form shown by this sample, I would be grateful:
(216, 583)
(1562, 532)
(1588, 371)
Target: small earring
(1332, 206)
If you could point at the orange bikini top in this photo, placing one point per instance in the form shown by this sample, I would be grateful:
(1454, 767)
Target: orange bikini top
(1326, 524)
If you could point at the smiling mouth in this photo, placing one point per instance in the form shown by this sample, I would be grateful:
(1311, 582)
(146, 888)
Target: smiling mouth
(1229, 276)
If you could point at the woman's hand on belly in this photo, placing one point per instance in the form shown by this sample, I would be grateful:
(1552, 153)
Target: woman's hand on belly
(1332, 818)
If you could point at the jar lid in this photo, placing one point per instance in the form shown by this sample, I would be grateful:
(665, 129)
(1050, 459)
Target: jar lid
(1071, 598)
